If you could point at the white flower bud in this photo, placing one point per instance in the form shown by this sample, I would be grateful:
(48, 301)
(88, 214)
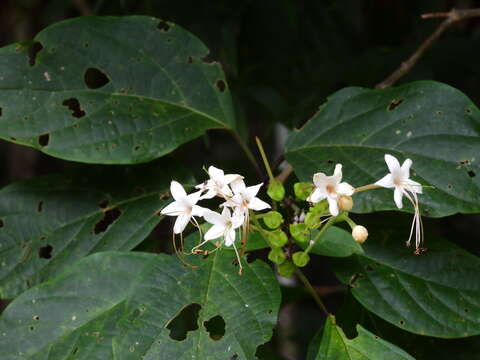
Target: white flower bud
(359, 234)
(345, 203)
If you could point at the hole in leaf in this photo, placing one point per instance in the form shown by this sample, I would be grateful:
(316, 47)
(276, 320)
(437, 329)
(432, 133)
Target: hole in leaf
(43, 139)
(75, 350)
(13, 139)
(468, 111)
(215, 327)
(394, 104)
(36, 318)
(184, 322)
(32, 328)
(95, 79)
(40, 206)
(189, 60)
(1, 223)
(329, 161)
(108, 218)
(220, 84)
(163, 26)
(45, 252)
(0, 111)
(439, 112)
(33, 51)
(234, 357)
(466, 310)
(369, 268)
(103, 204)
(74, 105)
(86, 44)
(401, 322)
(136, 148)
(208, 59)
(472, 174)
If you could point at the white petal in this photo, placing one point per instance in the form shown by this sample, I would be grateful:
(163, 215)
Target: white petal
(198, 210)
(227, 179)
(238, 186)
(316, 196)
(237, 219)
(413, 186)
(386, 181)
(214, 232)
(194, 197)
(173, 209)
(333, 206)
(210, 194)
(405, 169)
(397, 196)
(215, 173)
(257, 204)
(177, 190)
(181, 223)
(392, 163)
(229, 237)
(337, 173)
(320, 180)
(345, 189)
(214, 218)
(252, 191)
(225, 190)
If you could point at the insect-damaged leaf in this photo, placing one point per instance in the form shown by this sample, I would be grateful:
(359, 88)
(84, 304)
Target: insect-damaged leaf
(435, 125)
(111, 90)
(331, 343)
(47, 223)
(116, 305)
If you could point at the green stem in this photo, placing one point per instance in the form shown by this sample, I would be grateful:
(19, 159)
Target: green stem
(366, 187)
(247, 152)
(311, 290)
(265, 160)
(330, 221)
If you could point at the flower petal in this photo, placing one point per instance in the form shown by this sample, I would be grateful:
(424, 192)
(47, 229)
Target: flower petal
(177, 190)
(214, 218)
(316, 196)
(194, 197)
(392, 163)
(227, 179)
(181, 223)
(229, 237)
(320, 180)
(257, 204)
(214, 232)
(397, 196)
(215, 173)
(238, 186)
(252, 191)
(175, 208)
(386, 181)
(405, 169)
(337, 174)
(413, 186)
(198, 210)
(345, 189)
(333, 206)
(237, 219)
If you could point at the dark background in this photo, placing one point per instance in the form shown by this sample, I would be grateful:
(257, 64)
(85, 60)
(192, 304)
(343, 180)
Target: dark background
(282, 59)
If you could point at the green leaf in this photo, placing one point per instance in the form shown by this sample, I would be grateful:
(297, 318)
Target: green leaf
(118, 305)
(331, 343)
(434, 124)
(334, 242)
(435, 293)
(49, 222)
(111, 90)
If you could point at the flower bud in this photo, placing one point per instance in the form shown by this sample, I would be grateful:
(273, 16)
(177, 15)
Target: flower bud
(300, 258)
(273, 219)
(276, 191)
(299, 232)
(302, 190)
(359, 234)
(345, 203)
(277, 238)
(286, 269)
(277, 256)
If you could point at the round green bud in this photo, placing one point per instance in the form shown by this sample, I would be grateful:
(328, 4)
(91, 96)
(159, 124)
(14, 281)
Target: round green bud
(320, 208)
(302, 190)
(312, 220)
(286, 269)
(277, 256)
(277, 238)
(276, 191)
(273, 219)
(299, 232)
(300, 258)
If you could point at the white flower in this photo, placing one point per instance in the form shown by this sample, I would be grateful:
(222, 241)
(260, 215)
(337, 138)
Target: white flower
(399, 178)
(223, 225)
(184, 206)
(218, 183)
(244, 198)
(330, 188)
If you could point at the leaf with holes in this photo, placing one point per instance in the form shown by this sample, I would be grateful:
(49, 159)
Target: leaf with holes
(110, 90)
(47, 223)
(334, 242)
(116, 305)
(434, 294)
(435, 125)
(331, 343)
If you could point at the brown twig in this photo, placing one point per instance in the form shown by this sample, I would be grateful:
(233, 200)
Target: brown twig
(83, 7)
(451, 17)
(286, 172)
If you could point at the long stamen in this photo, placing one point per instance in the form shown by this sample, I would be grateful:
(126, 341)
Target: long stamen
(240, 271)
(417, 222)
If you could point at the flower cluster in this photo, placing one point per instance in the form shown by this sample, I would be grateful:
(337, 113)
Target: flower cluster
(238, 200)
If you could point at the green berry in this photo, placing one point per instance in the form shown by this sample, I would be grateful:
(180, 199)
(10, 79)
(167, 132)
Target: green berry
(299, 232)
(302, 190)
(300, 258)
(277, 238)
(286, 269)
(276, 191)
(273, 219)
(277, 256)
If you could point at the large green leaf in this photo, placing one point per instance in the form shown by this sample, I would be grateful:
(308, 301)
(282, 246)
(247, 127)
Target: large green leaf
(111, 90)
(47, 223)
(335, 242)
(332, 344)
(436, 293)
(435, 125)
(116, 305)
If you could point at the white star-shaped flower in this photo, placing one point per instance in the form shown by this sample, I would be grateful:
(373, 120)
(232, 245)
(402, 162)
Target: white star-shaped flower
(218, 183)
(399, 178)
(330, 188)
(244, 197)
(184, 206)
(224, 224)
